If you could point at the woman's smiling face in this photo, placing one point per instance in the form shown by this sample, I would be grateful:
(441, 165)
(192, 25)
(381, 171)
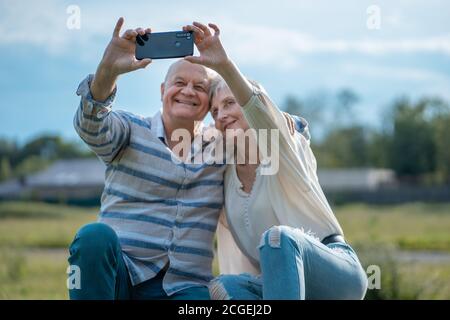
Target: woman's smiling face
(225, 111)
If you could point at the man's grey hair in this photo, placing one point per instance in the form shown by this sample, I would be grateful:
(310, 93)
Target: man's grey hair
(211, 74)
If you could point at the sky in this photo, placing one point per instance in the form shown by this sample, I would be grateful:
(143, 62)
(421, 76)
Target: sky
(292, 47)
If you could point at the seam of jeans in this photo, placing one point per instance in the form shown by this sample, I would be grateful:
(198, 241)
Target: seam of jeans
(294, 256)
(217, 290)
(297, 269)
(343, 254)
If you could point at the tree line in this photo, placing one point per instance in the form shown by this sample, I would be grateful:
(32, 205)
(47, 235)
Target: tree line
(412, 138)
(19, 160)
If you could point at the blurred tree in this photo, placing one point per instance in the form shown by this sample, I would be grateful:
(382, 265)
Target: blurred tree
(5, 169)
(413, 149)
(36, 154)
(378, 149)
(8, 149)
(343, 147)
(441, 129)
(31, 164)
(314, 108)
(310, 110)
(50, 148)
(344, 113)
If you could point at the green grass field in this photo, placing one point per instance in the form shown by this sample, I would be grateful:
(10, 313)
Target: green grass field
(34, 238)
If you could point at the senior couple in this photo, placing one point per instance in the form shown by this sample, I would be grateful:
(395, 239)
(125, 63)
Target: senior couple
(277, 235)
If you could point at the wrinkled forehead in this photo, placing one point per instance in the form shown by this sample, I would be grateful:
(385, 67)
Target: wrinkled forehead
(188, 71)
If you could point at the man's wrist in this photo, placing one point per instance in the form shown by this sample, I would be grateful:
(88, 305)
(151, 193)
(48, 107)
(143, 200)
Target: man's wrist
(103, 83)
(106, 72)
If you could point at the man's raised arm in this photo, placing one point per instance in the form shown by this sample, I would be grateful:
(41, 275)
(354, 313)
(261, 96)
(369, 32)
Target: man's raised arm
(103, 130)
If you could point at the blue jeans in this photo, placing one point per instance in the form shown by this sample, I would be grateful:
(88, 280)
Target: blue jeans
(97, 253)
(296, 266)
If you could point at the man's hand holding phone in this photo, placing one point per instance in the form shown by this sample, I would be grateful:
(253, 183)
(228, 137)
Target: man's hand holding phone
(118, 58)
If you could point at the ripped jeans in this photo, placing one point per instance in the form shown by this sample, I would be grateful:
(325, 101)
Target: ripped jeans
(296, 266)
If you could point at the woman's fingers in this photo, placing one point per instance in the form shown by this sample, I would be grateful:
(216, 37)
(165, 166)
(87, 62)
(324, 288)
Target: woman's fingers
(199, 35)
(193, 59)
(215, 28)
(290, 122)
(291, 125)
(204, 28)
(197, 31)
(117, 28)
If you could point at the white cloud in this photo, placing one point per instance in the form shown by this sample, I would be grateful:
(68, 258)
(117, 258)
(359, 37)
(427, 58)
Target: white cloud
(272, 44)
(43, 24)
(393, 73)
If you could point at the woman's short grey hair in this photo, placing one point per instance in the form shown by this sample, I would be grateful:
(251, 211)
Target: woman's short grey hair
(218, 83)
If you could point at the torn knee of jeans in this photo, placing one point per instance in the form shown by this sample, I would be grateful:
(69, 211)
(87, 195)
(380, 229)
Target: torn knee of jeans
(217, 290)
(272, 237)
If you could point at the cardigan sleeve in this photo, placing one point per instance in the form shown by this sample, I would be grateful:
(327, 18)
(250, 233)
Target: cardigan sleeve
(292, 152)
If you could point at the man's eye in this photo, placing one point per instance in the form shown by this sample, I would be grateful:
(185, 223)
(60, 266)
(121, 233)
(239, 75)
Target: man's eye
(179, 83)
(199, 88)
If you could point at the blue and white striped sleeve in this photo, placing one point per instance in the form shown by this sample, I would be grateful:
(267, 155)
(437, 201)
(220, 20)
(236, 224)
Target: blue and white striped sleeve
(105, 132)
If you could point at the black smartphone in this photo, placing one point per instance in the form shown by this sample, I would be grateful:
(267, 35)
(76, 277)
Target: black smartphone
(164, 45)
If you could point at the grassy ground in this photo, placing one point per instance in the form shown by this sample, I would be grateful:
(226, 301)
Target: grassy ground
(414, 226)
(34, 238)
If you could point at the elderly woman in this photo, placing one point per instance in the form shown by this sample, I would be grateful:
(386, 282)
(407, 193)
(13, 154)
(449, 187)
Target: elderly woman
(284, 233)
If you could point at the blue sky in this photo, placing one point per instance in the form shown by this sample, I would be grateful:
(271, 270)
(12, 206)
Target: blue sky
(291, 47)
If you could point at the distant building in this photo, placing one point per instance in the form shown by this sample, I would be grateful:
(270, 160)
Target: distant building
(72, 181)
(82, 181)
(355, 179)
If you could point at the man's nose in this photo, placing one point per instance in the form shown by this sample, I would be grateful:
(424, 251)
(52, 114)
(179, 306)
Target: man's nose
(188, 90)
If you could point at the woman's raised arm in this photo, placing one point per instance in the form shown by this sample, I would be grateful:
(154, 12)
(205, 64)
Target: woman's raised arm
(214, 56)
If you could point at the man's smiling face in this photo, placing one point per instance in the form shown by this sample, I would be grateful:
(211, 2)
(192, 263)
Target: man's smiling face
(185, 92)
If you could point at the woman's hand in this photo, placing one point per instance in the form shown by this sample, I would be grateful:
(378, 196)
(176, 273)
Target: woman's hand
(212, 53)
(290, 122)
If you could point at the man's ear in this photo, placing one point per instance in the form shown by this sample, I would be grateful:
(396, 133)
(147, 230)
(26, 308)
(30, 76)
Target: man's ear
(163, 86)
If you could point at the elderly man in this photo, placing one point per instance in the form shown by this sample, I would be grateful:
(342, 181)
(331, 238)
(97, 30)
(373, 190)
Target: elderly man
(154, 238)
